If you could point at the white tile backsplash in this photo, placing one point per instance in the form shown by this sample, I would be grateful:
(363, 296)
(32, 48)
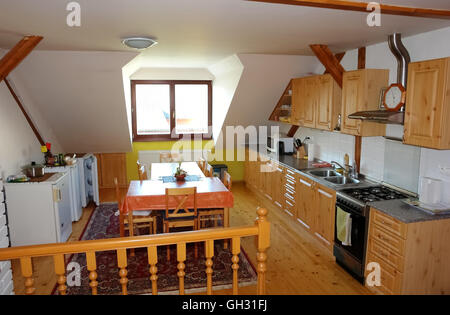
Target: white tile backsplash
(431, 163)
(372, 157)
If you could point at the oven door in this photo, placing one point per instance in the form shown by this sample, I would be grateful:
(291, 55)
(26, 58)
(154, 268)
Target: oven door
(358, 239)
(352, 257)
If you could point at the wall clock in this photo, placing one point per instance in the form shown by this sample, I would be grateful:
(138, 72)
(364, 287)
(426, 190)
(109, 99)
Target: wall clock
(394, 97)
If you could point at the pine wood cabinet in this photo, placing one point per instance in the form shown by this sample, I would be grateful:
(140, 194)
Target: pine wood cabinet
(305, 202)
(316, 102)
(427, 115)
(361, 92)
(297, 196)
(413, 258)
(110, 166)
(325, 202)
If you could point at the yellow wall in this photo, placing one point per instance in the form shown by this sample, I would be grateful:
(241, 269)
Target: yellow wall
(235, 168)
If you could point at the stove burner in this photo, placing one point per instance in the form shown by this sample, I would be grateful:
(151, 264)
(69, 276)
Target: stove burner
(372, 194)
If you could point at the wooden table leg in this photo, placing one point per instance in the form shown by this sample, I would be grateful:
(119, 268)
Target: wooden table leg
(226, 223)
(131, 228)
(122, 224)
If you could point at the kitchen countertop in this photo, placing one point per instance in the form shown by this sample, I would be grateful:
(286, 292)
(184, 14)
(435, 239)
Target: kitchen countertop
(404, 212)
(394, 208)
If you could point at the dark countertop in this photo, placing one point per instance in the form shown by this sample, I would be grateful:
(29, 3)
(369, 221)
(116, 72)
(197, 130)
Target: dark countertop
(406, 213)
(394, 208)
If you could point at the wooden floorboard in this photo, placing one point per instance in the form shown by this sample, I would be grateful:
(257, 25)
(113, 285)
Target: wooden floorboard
(297, 262)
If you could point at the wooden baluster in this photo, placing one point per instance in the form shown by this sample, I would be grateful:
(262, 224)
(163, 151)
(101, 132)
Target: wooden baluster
(235, 250)
(122, 264)
(92, 267)
(60, 270)
(263, 242)
(181, 257)
(209, 253)
(27, 271)
(152, 261)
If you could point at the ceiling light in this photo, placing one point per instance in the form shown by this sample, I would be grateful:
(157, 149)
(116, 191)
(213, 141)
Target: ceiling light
(139, 42)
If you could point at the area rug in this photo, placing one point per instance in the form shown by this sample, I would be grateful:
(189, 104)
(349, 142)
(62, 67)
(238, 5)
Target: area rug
(104, 224)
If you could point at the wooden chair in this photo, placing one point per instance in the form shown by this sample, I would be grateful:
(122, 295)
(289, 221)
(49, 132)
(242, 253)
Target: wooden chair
(209, 171)
(211, 217)
(227, 180)
(202, 163)
(168, 157)
(180, 216)
(142, 171)
(138, 219)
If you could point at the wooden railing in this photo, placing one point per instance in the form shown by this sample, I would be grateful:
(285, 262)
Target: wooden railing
(261, 230)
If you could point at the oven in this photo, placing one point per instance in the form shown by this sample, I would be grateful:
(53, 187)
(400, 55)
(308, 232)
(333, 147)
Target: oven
(352, 257)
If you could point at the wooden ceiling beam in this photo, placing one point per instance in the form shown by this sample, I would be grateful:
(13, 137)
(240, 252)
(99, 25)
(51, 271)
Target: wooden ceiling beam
(362, 7)
(339, 57)
(331, 63)
(18, 53)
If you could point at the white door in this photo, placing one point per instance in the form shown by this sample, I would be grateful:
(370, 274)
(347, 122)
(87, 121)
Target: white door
(63, 215)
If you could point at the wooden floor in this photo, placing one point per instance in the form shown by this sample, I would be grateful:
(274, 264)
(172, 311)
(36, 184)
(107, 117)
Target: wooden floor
(297, 263)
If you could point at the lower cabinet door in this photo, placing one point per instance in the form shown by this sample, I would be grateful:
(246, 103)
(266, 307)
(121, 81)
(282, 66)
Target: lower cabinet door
(325, 217)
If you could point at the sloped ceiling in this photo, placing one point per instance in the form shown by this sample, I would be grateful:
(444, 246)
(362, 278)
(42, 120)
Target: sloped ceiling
(81, 96)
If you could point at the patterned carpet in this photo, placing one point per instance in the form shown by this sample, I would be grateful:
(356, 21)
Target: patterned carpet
(104, 224)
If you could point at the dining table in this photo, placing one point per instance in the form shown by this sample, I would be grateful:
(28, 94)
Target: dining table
(151, 194)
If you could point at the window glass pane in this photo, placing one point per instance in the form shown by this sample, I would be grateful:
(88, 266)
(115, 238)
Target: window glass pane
(153, 109)
(191, 108)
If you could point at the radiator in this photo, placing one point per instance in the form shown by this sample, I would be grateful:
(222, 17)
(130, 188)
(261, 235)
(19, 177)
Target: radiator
(149, 157)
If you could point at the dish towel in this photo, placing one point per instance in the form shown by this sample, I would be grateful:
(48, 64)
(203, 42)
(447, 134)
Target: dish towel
(344, 227)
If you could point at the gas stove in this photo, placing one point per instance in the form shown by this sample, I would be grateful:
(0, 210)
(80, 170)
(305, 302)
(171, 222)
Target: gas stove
(372, 194)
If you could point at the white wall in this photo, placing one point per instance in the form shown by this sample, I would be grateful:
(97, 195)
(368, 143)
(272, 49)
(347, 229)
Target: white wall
(424, 46)
(81, 95)
(227, 75)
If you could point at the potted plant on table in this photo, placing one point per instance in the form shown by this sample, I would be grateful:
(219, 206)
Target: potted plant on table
(180, 174)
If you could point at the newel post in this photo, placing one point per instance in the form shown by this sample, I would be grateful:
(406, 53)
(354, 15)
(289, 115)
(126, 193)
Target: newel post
(262, 244)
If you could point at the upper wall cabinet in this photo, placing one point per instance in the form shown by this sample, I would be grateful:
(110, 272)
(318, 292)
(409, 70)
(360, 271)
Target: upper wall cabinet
(361, 92)
(316, 102)
(427, 116)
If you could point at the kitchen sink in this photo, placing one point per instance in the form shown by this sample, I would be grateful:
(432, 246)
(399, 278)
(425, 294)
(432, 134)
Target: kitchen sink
(325, 173)
(341, 180)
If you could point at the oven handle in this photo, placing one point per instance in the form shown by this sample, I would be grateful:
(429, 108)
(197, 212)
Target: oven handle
(349, 210)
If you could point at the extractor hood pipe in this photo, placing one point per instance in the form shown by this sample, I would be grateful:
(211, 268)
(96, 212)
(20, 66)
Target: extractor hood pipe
(402, 55)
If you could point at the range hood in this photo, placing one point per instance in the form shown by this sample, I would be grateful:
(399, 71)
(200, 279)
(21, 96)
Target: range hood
(403, 59)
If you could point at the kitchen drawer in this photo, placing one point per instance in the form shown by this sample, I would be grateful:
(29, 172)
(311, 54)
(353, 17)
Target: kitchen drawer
(289, 208)
(385, 254)
(391, 279)
(389, 223)
(387, 240)
(290, 172)
(290, 198)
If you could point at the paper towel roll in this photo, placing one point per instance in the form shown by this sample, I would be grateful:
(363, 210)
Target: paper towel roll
(430, 190)
(311, 151)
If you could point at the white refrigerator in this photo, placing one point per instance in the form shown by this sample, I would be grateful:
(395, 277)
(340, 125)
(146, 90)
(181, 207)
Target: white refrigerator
(40, 213)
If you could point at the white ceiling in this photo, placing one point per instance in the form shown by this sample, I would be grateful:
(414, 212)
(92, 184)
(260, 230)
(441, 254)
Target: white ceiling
(198, 33)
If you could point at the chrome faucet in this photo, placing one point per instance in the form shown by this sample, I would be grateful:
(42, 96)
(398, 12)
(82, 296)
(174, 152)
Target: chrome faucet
(349, 170)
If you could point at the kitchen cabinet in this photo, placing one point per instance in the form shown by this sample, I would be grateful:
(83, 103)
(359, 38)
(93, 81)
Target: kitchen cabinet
(329, 103)
(297, 112)
(413, 257)
(361, 92)
(325, 202)
(427, 114)
(300, 198)
(305, 202)
(110, 166)
(6, 281)
(316, 102)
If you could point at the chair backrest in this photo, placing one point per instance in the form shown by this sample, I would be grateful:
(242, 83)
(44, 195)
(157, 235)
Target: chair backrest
(227, 180)
(209, 170)
(181, 195)
(142, 172)
(169, 157)
(201, 163)
(118, 198)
